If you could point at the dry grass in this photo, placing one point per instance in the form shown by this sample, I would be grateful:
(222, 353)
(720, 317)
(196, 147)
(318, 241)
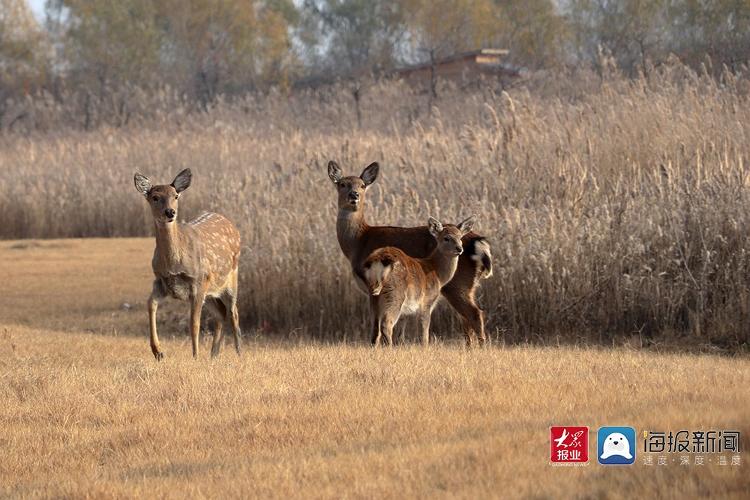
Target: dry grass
(92, 415)
(620, 212)
(88, 415)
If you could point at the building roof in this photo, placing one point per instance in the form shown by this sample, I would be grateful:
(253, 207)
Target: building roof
(490, 57)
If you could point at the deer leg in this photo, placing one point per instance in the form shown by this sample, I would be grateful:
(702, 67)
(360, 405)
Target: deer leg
(472, 316)
(230, 302)
(236, 328)
(153, 305)
(196, 305)
(484, 339)
(389, 322)
(401, 335)
(388, 333)
(478, 325)
(376, 333)
(475, 321)
(376, 321)
(218, 337)
(468, 332)
(424, 327)
(220, 313)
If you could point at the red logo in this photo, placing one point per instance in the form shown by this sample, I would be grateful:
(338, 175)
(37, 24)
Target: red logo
(569, 444)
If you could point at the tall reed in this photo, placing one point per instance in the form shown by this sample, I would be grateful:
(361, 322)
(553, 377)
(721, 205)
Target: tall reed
(614, 207)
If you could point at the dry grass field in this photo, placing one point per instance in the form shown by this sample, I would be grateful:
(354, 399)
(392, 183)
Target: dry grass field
(87, 412)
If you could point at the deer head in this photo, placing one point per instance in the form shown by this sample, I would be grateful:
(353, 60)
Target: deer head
(449, 236)
(352, 189)
(163, 199)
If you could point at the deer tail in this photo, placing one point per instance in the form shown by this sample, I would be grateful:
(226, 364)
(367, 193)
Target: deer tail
(481, 253)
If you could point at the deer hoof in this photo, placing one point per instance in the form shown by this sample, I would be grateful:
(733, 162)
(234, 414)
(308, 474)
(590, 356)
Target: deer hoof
(159, 356)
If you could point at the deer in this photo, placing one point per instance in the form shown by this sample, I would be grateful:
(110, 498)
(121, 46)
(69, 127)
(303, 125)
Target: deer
(358, 240)
(196, 261)
(402, 285)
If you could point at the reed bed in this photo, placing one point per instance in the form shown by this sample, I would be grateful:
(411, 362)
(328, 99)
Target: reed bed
(617, 208)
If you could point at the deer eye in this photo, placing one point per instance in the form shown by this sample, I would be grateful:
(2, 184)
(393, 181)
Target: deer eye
(446, 238)
(155, 198)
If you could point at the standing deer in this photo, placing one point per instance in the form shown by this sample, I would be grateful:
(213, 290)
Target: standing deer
(402, 285)
(195, 261)
(358, 240)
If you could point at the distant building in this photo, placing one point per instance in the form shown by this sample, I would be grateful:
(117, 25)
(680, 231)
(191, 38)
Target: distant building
(463, 68)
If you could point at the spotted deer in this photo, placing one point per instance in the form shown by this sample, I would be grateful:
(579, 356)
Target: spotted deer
(358, 240)
(401, 285)
(195, 261)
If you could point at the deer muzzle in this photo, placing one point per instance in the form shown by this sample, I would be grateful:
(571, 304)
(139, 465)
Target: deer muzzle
(375, 289)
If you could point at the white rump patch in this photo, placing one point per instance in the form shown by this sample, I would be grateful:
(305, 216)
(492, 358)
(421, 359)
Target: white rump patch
(375, 274)
(482, 248)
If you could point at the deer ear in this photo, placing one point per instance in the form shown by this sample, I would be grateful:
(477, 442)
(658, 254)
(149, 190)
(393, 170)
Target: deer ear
(142, 184)
(370, 173)
(465, 225)
(434, 226)
(182, 181)
(334, 172)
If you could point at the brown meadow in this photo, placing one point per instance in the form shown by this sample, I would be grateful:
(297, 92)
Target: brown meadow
(88, 413)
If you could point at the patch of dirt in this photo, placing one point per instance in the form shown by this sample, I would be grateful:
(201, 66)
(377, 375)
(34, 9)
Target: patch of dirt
(27, 245)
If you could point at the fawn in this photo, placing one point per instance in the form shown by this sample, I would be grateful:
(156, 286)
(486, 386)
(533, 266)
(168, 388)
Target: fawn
(195, 261)
(403, 285)
(358, 240)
